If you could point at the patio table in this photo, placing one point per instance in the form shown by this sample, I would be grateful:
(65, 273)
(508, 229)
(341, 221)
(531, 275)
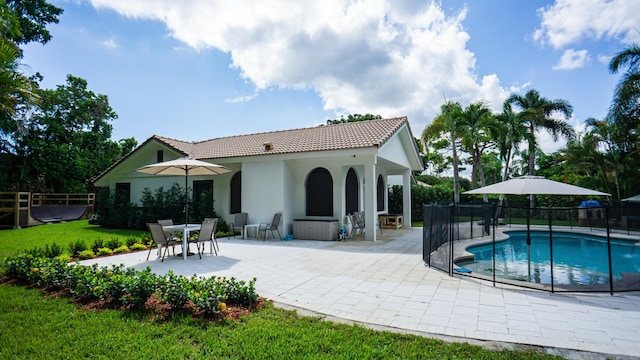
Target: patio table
(186, 229)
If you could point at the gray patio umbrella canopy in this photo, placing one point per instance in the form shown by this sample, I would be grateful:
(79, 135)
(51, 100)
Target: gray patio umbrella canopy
(634, 199)
(534, 185)
(186, 167)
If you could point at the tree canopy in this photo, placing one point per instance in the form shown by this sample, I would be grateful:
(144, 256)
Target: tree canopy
(50, 139)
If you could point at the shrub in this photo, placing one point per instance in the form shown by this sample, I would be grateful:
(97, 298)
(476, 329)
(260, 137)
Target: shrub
(86, 254)
(97, 244)
(52, 251)
(175, 290)
(137, 246)
(130, 241)
(113, 243)
(147, 240)
(84, 283)
(207, 294)
(64, 257)
(239, 292)
(35, 252)
(104, 251)
(121, 249)
(76, 247)
(139, 286)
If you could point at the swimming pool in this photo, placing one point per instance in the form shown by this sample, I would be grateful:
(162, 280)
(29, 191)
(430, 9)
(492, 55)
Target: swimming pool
(578, 259)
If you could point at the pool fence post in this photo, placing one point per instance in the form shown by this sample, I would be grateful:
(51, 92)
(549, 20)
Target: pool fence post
(493, 243)
(471, 229)
(606, 213)
(529, 243)
(454, 211)
(551, 247)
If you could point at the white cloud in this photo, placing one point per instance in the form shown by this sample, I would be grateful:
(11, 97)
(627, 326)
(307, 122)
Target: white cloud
(572, 59)
(110, 44)
(383, 57)
(605, 59)
(568, 21)
(241, 98)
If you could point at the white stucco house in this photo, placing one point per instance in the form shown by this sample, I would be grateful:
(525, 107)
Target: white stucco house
(323, 172)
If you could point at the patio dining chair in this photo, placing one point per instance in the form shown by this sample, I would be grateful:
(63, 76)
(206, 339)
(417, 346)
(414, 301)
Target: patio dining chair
(273, 226)
(171, 235)
(159, 237)
(206, 234)
(214, 242)
(239, 221)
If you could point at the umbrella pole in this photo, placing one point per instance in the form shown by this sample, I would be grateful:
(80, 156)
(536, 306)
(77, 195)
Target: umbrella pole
(186, 197)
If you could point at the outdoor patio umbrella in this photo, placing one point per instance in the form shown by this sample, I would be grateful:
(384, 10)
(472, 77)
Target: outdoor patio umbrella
(533, 185)
(635, 199)
(186, 167)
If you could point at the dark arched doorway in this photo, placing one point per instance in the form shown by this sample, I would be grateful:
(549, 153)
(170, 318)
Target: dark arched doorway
(351, 192)
(236, 193)
(319, 193)
(380, 193)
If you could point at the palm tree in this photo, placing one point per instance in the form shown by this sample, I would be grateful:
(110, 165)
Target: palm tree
(513, 131)
(445, 127)
(477, 128)
(626, 105)
(624, 115)
(536, 114)
(15, 88)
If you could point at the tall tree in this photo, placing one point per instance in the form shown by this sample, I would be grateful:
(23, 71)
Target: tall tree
(478, 130)
(624, 114)
(513, 132)
(537, 112)
(33, 17)
(17, 92)
(626, 102)
(443, 131)
(68, 139)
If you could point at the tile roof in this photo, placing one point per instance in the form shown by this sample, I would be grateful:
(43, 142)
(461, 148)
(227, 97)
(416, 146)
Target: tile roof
(363, 134)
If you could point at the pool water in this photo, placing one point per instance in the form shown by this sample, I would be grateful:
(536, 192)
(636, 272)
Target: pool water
(578, 259)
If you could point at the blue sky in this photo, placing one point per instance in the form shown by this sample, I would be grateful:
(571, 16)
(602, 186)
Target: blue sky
(195, 70)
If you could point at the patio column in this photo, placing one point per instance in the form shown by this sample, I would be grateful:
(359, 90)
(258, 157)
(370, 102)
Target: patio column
(406, 198)
(370, 200)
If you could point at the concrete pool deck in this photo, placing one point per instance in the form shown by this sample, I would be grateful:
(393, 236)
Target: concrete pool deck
(384, 285)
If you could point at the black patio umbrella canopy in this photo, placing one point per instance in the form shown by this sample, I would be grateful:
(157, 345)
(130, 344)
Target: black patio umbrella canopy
(186, 167)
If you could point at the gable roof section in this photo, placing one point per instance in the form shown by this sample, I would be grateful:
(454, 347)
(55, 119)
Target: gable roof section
(362, 134)
(355, 135)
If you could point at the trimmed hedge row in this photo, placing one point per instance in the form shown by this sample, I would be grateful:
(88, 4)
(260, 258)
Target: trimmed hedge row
(130, 287)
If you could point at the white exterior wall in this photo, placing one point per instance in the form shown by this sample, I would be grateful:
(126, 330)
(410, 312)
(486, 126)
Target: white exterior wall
(263, 190)
(277, 183)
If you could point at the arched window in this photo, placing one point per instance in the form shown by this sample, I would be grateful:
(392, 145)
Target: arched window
(236, 193)
(381, 193)
(351, 193)
(319, 191)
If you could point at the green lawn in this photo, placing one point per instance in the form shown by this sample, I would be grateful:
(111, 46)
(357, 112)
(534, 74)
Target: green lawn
(11, 241)
(37, 326)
